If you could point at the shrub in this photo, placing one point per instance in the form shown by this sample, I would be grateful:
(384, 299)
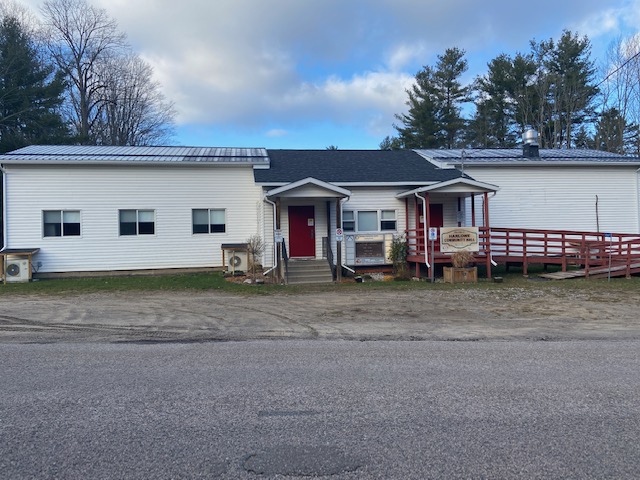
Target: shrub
(398, 255)
(461, 259)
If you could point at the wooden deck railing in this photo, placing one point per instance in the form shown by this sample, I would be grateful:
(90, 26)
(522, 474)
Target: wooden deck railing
(591, 250)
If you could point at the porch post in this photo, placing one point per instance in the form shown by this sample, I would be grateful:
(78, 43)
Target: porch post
(473, 210)
(487, 245)
(459, 214)
(338, 243)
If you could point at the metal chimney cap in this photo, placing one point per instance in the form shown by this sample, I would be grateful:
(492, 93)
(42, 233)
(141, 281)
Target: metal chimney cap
(530, 136)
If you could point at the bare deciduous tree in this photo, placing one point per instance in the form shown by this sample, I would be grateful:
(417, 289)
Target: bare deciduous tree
(135, 111)
(80, 37)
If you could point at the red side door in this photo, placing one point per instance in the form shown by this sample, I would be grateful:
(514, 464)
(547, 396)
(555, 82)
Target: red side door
(302, 231)
(436, 219)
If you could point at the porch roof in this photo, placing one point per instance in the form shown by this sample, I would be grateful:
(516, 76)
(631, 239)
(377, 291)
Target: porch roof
(309, 187)
(456, 185)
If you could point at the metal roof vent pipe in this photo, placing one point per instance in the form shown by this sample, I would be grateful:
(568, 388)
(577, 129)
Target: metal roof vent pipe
(530, 147)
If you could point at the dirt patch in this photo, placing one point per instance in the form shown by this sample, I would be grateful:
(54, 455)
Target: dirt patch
(463, 315)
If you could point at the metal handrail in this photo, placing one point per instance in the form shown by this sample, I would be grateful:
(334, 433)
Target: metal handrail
(285, 258)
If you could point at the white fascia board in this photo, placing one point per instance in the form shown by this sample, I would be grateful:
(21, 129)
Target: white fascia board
(542, 163)
(488, 187)
(309, 181)
(357, 184)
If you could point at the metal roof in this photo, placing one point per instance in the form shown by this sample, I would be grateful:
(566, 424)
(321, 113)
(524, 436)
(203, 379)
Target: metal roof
(505, 156)
(109, 154)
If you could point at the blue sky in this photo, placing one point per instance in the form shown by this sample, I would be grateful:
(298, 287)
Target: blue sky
(314, 73)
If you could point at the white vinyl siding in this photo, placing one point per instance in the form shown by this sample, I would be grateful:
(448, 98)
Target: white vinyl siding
(561, 198)
(100, 192)
(371, 199)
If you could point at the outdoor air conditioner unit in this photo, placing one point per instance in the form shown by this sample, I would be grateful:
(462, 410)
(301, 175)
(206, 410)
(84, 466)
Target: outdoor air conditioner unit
(237, 261)
(17, 270)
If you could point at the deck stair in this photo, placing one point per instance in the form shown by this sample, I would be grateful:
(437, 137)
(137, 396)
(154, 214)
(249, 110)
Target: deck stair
(616, 270)
(303, 271)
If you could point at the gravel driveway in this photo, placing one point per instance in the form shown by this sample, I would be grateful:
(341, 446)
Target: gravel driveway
(460, 314)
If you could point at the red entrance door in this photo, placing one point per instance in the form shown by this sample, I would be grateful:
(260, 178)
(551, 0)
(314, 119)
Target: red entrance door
(302, 231)
(436, 219)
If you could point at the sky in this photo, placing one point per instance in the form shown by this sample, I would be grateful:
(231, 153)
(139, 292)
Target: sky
(307, 74)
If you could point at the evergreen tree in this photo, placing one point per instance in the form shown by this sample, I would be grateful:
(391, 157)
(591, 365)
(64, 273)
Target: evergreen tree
(572, 90)
(390, 143)
(494, 123)
(451, 94)
(30, 92)
(434, 117)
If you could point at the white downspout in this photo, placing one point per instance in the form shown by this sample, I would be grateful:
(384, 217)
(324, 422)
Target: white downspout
(424, 227)
(275, 246)
(342, 202)
(5, 237)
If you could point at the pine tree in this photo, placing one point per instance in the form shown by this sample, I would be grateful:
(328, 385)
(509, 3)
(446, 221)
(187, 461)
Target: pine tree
(434, 118)
(30, 92)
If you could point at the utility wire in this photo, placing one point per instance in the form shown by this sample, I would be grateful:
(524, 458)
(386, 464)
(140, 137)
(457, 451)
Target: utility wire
(635, 55)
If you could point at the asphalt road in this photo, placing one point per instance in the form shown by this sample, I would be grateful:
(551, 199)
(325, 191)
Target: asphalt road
(327, 409)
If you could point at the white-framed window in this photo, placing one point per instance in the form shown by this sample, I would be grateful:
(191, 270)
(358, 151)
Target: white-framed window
(388, 220)
(61, 223)
(369, 220)
(209, 220)
(348, 221)
(137, 222)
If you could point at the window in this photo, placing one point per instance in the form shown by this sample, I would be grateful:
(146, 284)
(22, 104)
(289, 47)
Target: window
(61, 223)
(137, 222)
(348, 221)
(388, 220)
(368, 221)
(209, 220)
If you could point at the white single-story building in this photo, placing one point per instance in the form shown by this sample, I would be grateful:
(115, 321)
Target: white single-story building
(98, 208)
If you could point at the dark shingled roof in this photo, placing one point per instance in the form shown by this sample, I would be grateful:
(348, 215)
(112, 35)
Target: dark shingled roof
(352, 166)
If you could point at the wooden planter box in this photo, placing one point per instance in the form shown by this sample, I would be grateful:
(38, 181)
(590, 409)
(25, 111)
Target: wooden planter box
(460, 275)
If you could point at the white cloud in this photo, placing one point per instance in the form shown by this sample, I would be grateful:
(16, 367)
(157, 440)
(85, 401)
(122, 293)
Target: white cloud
(254, 64)
(276, 132)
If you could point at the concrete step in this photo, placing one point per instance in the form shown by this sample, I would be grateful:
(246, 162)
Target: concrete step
(309, 271)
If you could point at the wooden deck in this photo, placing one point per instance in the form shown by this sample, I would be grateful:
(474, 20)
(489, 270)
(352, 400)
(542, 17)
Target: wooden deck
(578, 254)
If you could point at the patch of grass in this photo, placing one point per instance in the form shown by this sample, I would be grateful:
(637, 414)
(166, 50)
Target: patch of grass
(215, 281)
(147, 283)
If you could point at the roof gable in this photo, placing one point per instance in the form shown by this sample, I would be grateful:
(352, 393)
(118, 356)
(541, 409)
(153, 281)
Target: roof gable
(309, 187)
